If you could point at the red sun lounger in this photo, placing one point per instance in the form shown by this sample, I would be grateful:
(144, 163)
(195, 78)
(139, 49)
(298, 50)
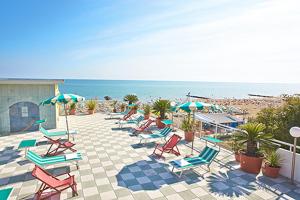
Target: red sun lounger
(58, 147)
(51, 185)
(169, 147)
(143, 127)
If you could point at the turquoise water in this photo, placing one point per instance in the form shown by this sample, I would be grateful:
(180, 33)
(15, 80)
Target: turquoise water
(147, 90)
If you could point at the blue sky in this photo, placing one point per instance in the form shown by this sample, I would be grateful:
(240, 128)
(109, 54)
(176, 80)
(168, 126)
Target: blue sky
(212, 40)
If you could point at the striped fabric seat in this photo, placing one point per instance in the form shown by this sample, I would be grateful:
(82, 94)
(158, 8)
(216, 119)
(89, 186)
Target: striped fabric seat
(162, 134)
(206, 157)
(119, 113)
(131, 121)
(54, 134)
(44, 161)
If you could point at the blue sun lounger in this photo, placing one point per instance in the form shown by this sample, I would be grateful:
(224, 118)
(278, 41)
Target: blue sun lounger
(136, 121)
(56, 133)
(206, 157)
(158, 135)
(45, 161)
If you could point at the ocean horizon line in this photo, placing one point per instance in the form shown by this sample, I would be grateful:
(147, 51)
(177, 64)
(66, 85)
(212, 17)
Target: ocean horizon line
(150, 80)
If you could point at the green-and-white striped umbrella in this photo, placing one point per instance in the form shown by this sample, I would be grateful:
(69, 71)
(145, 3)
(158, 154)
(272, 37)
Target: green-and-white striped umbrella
(64, 99)
(193, 106)
(173, 106)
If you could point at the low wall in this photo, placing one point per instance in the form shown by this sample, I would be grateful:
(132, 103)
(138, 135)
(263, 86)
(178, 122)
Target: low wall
(286, 157)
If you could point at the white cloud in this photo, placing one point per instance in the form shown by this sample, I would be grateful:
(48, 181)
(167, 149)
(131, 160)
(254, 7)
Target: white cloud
(260, 44)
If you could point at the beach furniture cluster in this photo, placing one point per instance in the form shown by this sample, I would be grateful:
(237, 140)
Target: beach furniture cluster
(60, 151)
(171, 141)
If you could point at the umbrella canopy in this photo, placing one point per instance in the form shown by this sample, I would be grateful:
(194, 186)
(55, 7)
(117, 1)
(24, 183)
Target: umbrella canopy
(192, 106)
(63, 99)
(173, 106)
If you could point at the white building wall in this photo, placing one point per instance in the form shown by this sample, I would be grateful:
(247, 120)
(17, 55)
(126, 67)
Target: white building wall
(14, 93)
(286, 167)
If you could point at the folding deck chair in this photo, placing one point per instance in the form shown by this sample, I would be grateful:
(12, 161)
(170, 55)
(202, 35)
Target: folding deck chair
(59, 147)
(169, 147)
(143, 127)
(131, 121)
(157, 135)
(128, 115)
(206, 157)
(52, 185)
(45, 161)
(119, 113)
(56, 133)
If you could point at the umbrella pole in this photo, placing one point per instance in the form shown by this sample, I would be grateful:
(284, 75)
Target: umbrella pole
(66, 115)
(193, 133)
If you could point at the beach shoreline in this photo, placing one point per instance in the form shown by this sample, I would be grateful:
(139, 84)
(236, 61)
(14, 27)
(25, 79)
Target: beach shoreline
(248, 107)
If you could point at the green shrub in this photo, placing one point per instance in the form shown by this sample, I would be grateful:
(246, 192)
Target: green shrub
(91, 104)
(147, 109)
(272, 158)
(187, 124)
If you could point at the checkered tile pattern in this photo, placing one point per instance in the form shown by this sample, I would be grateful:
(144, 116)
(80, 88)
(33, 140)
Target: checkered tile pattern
(116, 166)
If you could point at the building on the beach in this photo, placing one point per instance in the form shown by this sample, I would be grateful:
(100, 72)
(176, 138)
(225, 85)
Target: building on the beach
(19, 104)
(218, 121)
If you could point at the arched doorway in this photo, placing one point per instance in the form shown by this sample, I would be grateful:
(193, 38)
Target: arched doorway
(22, 115)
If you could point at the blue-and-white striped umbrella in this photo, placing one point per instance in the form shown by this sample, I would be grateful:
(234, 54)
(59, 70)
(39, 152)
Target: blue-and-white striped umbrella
(64, 99)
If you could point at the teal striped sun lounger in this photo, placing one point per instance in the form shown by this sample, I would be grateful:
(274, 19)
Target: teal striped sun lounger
(136, 121)
(112, 114)
(157, 135)
(206, 157)
(56, 133)
(45, 161)
(5, 193)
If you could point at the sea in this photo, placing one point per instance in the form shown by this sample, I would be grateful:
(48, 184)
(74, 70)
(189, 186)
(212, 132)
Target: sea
(150, 90)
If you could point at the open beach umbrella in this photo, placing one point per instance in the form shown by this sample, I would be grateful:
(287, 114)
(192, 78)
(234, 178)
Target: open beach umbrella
(193, 107)
(63, 99)
(173, 107)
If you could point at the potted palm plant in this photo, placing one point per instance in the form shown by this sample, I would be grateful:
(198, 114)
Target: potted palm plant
(236, 146)
(131, 98)
(272, 163)
(252, 134)
(72, 109)
(147, 111)
(188, 127)
(91, 105)
(160, 108)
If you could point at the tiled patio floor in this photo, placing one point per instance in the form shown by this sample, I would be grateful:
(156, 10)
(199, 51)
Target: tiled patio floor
(116, 166)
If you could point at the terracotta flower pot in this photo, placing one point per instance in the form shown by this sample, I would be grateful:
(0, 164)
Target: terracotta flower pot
(159, 124)
(72, 112)
(237, 157)
(188, 136)
(91, 112)
(146, 116)
(250, 164)
(272, 172)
